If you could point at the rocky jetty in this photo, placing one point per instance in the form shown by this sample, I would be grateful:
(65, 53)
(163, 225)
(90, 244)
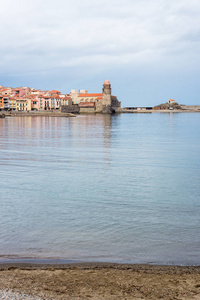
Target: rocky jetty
(164, 106)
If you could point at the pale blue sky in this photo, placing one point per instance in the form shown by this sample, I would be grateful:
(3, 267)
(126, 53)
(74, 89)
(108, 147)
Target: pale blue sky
(148, 49)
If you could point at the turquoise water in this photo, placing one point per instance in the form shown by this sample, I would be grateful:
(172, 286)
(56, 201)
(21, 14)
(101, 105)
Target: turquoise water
(122, 188)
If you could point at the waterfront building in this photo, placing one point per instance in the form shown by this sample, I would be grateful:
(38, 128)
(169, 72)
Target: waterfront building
(1, 102)
(28, 104)
(67, 100)
(23, 104)
(101, 102)
(20, 104)
(47, 102)
(55, 101)
(12, 103)
(5, 102)
(41, 102)
(34, 104)
(74, 94)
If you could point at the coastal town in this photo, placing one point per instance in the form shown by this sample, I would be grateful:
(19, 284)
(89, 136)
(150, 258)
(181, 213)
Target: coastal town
(29, 100)
(25, 99)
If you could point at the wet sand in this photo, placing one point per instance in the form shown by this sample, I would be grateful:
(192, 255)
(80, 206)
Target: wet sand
(100, 281)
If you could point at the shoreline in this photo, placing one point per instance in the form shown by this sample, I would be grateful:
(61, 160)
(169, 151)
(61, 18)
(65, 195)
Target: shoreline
(41, 262)
(59, 114)
(37, 114)
(99, 281)
(160, 111)
(30, 265)
(17, 260)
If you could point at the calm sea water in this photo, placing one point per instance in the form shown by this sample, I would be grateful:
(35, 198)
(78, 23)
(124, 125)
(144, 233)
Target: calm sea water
(122, 188)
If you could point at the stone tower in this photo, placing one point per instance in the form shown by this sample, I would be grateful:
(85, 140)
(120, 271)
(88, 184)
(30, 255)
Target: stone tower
(106, 91)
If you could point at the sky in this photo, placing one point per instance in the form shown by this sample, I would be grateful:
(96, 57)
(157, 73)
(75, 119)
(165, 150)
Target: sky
(148, 49)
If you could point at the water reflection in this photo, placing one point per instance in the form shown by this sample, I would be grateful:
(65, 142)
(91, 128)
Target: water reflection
(29, 138)
(101, 186)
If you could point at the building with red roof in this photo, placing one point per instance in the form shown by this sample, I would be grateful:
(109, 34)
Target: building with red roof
(100, 101)
(170, 101)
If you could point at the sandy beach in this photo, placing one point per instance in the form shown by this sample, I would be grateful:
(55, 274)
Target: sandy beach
(98, 281)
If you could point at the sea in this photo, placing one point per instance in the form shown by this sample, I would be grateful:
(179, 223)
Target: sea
(121, 188)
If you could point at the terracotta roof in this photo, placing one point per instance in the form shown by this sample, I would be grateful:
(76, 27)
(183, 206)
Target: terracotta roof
(55, 91)
(55, 96)
(30, 96)
(106, 82)
(90, 95)
(67, 98)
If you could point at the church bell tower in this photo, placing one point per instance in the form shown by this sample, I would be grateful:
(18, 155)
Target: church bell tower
(106, 91)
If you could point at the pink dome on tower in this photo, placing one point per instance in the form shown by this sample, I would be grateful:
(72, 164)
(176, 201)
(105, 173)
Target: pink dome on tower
(107, 82)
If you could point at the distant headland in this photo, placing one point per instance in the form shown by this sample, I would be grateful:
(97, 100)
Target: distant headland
(170, 106)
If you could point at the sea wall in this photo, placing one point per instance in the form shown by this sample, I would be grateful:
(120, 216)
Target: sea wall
(191, 107)
(87, 110)
(74, 109)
